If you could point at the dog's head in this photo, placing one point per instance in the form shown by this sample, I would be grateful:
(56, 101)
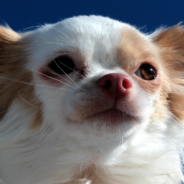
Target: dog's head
(80, 92)
(93, 76)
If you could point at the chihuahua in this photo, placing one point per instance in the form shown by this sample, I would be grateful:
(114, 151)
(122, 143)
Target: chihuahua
(91, 100)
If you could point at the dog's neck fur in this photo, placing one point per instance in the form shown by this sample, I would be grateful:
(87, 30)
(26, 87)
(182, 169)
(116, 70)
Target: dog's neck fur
(147, 158)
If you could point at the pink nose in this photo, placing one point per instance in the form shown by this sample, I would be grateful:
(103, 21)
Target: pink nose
(115, 85)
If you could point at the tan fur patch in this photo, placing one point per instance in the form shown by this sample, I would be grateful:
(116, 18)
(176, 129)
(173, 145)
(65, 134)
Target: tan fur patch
(14, 79)
(133, 52)
(136, 50)
(171, 47)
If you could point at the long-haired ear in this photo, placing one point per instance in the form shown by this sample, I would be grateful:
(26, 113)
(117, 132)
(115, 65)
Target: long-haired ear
(170, 43)
(12, 61)
(8, 48)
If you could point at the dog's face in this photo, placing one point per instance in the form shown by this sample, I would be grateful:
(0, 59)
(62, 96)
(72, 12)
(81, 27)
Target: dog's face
(89, 81)
(104, 77)
(93, 76)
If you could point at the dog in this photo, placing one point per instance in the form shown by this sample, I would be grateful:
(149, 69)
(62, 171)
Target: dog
(91, 100)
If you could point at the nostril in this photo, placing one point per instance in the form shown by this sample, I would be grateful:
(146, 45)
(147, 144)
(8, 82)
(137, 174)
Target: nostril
(107, 84)
(127, 83)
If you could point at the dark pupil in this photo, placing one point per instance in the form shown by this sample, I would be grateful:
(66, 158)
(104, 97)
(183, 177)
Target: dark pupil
(62, 65)
(147, 72)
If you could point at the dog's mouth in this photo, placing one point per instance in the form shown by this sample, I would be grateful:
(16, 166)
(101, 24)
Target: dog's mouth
(113, 116)
(110, 114)
(104, 120)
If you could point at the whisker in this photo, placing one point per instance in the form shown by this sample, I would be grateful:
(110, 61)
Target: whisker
(62, 77)
(26, 100)
(28, 83)
(32, 27)
(175, 103)
(73, 70)
(171, 115)
(67, 75)
(60, 43)
(69, 67)
(54, 79)
(62, 33)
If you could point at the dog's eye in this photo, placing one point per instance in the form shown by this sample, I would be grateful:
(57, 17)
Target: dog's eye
(62, 65)
(146, 72)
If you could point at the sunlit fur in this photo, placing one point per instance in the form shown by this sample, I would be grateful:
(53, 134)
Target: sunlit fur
(50, 128)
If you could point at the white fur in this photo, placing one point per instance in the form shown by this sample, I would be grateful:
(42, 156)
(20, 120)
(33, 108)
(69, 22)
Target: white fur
(135, 153)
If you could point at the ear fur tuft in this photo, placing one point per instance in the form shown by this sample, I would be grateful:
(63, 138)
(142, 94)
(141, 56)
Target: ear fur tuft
(8, 36)
(170, 43)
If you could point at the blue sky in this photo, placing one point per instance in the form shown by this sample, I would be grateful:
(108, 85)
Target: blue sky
(146, 14)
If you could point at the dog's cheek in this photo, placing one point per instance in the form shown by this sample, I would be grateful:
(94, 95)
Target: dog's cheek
(78, 101)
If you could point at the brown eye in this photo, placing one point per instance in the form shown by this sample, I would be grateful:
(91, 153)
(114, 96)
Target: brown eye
(62, 65)
(146, 72)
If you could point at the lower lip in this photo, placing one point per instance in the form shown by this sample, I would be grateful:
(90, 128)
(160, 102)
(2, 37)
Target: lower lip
(112, 116)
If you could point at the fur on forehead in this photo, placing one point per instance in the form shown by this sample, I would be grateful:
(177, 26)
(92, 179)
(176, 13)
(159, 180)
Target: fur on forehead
(74, 35)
